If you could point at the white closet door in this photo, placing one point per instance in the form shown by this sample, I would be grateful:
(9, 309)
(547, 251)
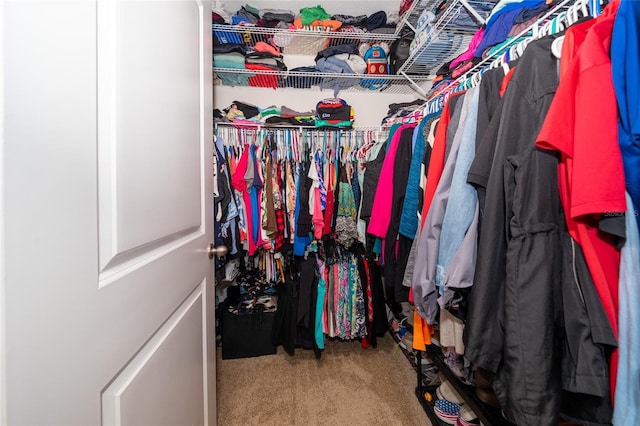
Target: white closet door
(107, 157)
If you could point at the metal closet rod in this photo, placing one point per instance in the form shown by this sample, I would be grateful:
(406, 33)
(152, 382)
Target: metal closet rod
(301, 129)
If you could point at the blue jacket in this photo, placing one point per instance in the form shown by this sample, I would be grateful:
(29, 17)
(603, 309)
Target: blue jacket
(625, 64)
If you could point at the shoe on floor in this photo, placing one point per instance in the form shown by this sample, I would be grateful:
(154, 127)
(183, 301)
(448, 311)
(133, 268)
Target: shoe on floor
(483, 378)
(406, 340)
(447, 411)
(488, 397)
(457, 366)
(447, 391)
(466, 417)
(430, 375)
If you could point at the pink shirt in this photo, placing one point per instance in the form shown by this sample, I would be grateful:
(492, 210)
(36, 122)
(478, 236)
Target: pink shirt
(381, 211)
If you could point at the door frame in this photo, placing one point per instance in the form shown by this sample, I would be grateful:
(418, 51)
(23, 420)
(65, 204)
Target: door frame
(3, 396)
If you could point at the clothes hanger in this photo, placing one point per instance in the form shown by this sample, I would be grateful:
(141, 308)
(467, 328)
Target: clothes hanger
(594, 5)
(559, 22)
(294, 146)
(477, 78)
(575, 13)
(557, 25)
(522, 46)
(513, 51)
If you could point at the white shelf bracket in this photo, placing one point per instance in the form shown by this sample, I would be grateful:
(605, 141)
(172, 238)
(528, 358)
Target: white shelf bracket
(414, 84)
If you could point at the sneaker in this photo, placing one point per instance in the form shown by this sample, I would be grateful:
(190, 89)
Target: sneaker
(232, 269)
(466, 417)
(447, 411)
(395, 326)
(447, 392)
(455, 363)
(430, 375)
(406, 339)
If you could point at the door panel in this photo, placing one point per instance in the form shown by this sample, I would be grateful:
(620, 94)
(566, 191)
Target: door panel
(108, 212)
(149, 101)
(158, 386)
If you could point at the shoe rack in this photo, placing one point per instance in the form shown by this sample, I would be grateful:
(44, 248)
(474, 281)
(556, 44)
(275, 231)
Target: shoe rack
(489, 416)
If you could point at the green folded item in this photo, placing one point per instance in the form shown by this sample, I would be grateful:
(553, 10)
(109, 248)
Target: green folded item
(271, 111)
(310, 14)
(229, 60)
(252, 9)
(325, 123)
(233, 79)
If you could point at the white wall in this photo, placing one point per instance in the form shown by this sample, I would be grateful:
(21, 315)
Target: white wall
(3, 394)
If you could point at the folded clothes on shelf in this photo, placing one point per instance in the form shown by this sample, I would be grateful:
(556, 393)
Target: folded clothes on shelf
(303, 82)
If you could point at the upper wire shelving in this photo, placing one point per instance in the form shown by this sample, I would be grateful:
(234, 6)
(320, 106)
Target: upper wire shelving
(308, 41)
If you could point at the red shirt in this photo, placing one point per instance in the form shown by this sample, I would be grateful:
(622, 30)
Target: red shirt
(506, 80)
(436, 163)
(582, 125)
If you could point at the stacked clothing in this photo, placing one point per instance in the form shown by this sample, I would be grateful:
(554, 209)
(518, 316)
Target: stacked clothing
(275, 18)
(334, 112)
(356, 21)
(244, 113)
(406, 112)
(503, 26)
(249, 15)
(238, 111)
(230, 55)
(284, 115)
(313, 17)
(264, 57)
(341, 59)
(303, 82)
(510, 16)
(507, 20)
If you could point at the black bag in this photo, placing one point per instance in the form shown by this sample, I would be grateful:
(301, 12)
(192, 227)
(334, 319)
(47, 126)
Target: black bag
(247, 335)
(399, 53)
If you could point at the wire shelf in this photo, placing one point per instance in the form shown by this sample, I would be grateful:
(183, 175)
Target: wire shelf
(392, 84)
(488, 62)
(447, 37)
(295, 41)
(277, 127)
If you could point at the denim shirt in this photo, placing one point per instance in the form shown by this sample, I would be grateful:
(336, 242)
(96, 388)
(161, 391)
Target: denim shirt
(627, 392)
(424, 285)
(461, 206)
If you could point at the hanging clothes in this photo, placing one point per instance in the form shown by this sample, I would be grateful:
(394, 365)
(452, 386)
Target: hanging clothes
(312, 202)
(590, 155)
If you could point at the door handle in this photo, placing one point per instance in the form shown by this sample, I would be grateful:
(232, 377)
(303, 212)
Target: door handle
(216, 251)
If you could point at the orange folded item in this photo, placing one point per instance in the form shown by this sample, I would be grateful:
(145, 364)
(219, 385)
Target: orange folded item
(326, 23)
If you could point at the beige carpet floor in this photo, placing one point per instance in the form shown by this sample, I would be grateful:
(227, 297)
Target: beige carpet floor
(347, 386)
